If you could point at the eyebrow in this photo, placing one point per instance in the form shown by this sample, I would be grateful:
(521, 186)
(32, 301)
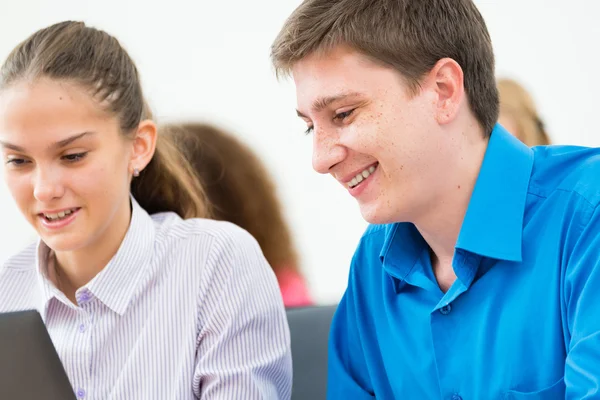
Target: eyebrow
(57, 145)
(321, 103)
(71, 139)
(11, 146)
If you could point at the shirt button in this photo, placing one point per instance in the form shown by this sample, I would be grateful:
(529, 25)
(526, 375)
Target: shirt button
(80, 393)
(83, 297)
(446, 310)
(82, 328)
(456, 396)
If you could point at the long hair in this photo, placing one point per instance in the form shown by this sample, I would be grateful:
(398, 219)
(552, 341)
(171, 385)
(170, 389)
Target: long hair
(238, 187)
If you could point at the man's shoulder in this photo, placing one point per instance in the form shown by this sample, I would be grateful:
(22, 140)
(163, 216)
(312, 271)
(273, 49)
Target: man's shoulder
(571, 169)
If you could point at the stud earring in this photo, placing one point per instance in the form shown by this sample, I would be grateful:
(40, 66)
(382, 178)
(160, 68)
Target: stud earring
(136, 172)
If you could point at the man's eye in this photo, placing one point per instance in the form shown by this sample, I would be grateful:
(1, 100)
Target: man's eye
(343, 115)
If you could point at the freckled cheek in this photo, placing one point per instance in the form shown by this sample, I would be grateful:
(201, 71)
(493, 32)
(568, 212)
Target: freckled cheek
(362, 134)
(380, 135)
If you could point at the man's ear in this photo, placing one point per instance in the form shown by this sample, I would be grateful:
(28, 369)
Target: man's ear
(448, 82)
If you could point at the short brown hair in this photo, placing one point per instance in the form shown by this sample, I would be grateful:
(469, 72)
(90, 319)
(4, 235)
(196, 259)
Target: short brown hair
(71, 51)
(410, 36)
(238, 187)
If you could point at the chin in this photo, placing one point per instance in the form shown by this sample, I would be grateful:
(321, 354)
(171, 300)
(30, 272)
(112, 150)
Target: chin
(63, 243)
(376, 215)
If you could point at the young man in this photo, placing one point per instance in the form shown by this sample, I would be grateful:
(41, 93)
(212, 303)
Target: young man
(480, 276)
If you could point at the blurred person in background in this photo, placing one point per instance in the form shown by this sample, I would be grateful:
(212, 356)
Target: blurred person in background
(240, 190)
(519, 115)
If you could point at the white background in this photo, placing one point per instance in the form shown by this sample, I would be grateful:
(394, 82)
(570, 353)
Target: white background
(209, 61)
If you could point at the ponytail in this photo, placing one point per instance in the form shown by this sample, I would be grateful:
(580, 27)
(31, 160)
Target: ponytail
(169, 183)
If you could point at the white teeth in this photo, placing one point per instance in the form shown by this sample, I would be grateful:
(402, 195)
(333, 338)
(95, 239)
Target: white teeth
(59, 215)
(361, 176)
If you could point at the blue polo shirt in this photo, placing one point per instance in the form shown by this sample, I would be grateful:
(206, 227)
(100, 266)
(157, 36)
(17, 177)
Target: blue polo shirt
(522, 320)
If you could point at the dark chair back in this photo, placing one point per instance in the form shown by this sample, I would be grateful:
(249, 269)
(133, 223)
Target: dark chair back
(309, 331)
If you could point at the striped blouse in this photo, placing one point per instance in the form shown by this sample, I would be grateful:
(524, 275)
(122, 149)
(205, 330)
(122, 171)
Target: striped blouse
(186, 309)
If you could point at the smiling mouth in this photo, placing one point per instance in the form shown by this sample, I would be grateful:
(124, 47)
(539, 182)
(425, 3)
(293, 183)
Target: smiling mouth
(58, 216)
(361, 176)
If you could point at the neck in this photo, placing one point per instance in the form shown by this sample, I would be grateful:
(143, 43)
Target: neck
(75, 269)
(442, 219)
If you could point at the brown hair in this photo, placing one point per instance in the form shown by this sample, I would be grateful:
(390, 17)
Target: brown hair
(239, 188)
(410, 36)
(71, 51)
(517, 104)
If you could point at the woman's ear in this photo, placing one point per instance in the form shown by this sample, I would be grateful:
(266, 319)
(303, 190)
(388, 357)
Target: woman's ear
(143, 147)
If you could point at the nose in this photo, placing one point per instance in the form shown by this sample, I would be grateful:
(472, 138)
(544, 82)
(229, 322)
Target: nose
(47, 185)
(327, 152)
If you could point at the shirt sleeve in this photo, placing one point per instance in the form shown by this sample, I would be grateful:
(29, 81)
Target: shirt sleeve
(582, 302)
(244, 341)
(348, 377)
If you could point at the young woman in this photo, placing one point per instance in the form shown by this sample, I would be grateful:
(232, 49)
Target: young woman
(240, 190)
(141, 303)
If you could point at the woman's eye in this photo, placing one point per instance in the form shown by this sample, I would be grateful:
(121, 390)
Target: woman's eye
(74, 157)
(17, 162)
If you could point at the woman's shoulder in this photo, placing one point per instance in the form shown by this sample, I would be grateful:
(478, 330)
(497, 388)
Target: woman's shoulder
(18, 281)
(216, 248)
(201, 233)
(25, 259)
(169, 224)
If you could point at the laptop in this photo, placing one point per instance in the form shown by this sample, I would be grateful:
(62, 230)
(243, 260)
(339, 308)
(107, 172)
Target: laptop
(29, 364)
